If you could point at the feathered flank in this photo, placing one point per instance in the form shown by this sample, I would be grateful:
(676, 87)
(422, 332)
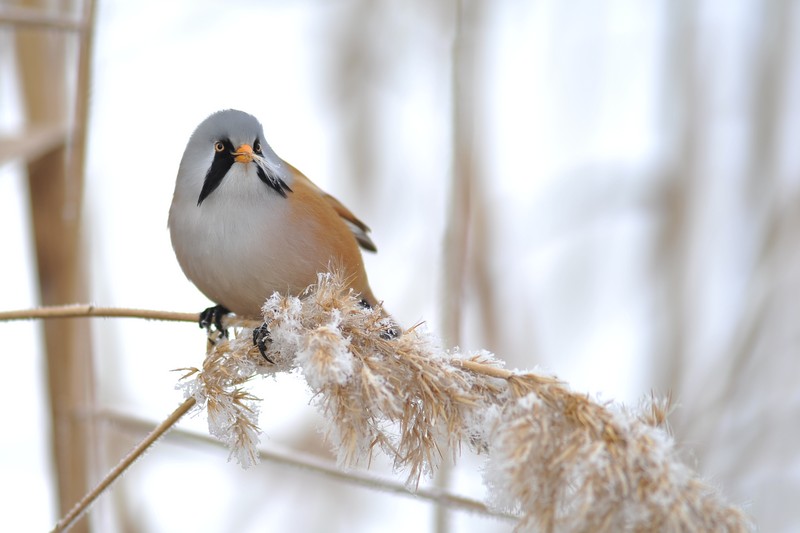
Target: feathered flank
(558, 459)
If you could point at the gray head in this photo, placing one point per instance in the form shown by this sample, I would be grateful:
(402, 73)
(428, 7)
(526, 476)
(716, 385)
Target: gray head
(223, 140)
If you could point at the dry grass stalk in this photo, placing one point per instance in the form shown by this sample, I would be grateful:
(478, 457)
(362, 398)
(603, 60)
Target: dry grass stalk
(309, 462)
(77, 511)
(559, 459)
(232, 411)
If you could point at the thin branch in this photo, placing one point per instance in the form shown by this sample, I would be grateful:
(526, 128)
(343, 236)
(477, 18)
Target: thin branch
(82, 506)
(315, 464)
(88, 310)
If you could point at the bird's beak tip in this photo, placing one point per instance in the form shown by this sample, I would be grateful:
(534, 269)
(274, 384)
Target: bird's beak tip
(243, 154)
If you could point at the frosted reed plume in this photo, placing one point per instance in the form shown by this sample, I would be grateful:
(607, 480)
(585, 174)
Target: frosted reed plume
(219, 388)
(558, 459)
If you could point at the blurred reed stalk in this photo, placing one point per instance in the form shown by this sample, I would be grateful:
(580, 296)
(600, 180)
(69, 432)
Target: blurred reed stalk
(56, 107)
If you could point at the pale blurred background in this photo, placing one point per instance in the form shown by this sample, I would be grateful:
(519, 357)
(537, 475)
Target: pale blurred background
(609, 190)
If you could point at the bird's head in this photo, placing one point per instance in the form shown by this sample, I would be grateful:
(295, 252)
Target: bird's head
(230, 143)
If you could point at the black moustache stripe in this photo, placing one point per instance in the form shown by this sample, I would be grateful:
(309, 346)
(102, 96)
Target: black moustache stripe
(273, 181)
(223, 161)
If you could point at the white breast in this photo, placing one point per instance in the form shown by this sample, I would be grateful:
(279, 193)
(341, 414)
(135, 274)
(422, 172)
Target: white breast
(234, 247)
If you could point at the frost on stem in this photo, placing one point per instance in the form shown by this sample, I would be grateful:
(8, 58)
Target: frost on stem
(402, 395)
(560, 460)
(566, 463)
(219, 387)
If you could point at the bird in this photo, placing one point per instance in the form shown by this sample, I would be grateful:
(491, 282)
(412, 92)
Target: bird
(244, 224)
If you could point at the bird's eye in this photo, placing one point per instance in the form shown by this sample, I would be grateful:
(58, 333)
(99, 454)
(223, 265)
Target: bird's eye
(219, 147)
(257, 147)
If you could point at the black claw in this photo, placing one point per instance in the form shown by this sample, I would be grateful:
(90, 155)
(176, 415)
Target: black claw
(392, 332)
(260, 338)
(213, 317)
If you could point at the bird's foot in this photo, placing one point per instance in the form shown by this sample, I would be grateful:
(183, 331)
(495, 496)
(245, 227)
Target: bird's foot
(213, 317)
(260, 339)
(389, 333)
(392, 332)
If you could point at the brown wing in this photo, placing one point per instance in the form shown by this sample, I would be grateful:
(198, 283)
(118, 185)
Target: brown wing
(359, 229)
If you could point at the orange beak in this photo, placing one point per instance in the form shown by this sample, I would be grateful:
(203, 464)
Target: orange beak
(244, 154)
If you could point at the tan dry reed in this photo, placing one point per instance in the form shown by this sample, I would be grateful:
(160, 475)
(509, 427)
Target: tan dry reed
(559, 459)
